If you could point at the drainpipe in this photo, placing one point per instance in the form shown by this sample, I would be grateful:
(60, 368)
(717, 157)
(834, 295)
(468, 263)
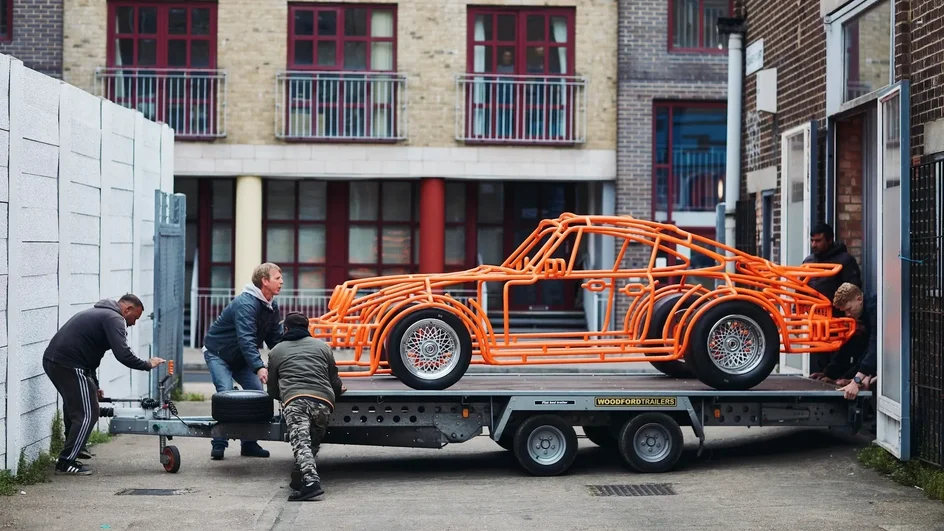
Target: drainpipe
(735, 29)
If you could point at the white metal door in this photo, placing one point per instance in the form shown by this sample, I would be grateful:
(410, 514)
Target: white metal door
(893, 215)
(796, 199)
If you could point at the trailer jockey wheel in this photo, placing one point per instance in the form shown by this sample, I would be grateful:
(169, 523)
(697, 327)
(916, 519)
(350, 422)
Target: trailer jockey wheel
(651, 442)
(170, 458)
(545, 445)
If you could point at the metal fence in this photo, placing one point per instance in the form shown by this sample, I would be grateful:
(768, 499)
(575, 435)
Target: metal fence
(170, 218)
(927, 312)
(745, 235)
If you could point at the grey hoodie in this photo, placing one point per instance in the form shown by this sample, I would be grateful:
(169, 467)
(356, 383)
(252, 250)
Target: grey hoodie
(82, 342)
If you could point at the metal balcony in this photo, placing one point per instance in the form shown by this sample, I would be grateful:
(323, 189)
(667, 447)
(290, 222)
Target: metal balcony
(191, 101)
(516, 109)
(344, 106)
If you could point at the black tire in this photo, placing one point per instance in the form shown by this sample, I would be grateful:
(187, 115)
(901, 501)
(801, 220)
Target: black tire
(454, 331)
(242, 406)
(554, 442)
(651, 443)
(171, 457)
(755, 331)
(661, 311)
(601, 436)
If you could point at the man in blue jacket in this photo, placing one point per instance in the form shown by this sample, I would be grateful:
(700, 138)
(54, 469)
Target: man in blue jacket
(231, 346)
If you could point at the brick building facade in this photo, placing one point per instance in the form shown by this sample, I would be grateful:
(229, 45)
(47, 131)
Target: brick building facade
(31, 31)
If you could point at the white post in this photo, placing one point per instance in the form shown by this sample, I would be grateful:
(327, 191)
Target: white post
(732, 185)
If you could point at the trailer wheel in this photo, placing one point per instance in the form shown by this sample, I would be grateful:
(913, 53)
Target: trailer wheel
(430, 349)
(601, 436)
(735, 345)
(661, 314)
(242, 406)
(545, 445)
(651, 442)
(170, 458)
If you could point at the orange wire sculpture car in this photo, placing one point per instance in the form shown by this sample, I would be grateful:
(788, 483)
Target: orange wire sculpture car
(728, 333)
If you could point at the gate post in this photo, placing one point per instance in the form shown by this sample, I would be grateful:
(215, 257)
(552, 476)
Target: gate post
(170, 219)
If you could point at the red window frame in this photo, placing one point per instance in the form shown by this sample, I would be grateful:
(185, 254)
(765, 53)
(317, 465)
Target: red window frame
(656, 166)
(340, 38)
(521, 43)
(7, 11)
(205, 221)
(296, 224)
(413, 225)
(162, 35)
(701, 48)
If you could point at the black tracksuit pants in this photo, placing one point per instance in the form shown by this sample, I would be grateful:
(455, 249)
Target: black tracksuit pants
(79, 403)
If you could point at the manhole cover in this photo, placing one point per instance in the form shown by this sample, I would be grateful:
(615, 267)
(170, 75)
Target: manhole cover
(649, 489)
(151, 492)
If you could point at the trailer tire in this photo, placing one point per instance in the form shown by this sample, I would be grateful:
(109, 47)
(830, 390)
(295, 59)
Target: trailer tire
(734, 346)
(601, 436)
(651, 443)
(661, 313)
(170, 459)
(545, 445)
(450, 335)
(242, 405)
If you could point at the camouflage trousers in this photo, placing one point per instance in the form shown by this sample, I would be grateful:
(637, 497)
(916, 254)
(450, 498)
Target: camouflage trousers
(307, 421)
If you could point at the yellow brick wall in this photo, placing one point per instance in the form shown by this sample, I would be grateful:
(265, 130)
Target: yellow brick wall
(431, 50)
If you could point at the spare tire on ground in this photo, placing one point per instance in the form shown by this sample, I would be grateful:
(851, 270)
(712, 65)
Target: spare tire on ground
(242, 406)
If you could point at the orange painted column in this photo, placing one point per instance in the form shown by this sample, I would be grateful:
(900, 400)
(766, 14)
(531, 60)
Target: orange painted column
(432, 225)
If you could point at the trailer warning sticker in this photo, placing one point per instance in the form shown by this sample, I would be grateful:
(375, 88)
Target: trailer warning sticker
(635, 401)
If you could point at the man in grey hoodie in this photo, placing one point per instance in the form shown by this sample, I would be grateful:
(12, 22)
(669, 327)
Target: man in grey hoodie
(73, 356)
(231, 346)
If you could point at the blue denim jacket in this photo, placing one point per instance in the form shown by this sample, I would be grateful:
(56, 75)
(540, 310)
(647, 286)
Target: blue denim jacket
(246, 322)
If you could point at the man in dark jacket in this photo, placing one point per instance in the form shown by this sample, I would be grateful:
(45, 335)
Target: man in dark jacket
(304, 377)
(863, 347)
(231, 346)
(73, 356)
(827, 251)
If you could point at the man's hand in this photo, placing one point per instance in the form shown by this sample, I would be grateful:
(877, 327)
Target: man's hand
(343, 389)
(101, 394)
(842, 382)
(850, 391)
(263, 375)
(817, 376)
(156, 361)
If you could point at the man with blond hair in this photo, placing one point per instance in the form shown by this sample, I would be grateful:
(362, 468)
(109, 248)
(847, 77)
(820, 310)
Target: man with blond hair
(231, 346)
(853, 367)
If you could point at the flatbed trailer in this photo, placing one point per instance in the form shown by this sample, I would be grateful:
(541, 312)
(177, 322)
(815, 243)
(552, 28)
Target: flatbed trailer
(532, 415)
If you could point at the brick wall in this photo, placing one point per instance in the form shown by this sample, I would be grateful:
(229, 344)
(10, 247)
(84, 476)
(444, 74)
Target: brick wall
(849, 229)
(920, 46)
(37, 35)
(431, 50)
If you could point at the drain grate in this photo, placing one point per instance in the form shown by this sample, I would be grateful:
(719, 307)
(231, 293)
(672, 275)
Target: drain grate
(151, 492)
(646, 489)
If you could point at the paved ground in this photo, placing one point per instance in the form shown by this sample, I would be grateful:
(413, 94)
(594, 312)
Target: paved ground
(773, 478)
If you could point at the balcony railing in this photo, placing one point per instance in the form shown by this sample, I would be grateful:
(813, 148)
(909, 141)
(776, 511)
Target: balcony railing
(695, 175)
(365, 106)
(191, 101)
(500, 108)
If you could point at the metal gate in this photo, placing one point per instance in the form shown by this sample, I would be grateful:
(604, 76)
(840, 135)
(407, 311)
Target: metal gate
(170, 218)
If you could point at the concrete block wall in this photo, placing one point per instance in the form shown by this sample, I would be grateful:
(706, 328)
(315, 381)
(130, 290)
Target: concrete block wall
(78, 181)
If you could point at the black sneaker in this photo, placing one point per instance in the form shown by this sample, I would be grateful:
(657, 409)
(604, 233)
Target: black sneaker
(84, 453)
(217, 453)
(253, 450)
(307, 492)
(74, 468)
(296, 482)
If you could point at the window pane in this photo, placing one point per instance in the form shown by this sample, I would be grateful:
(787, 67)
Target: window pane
(396, 245)
(685, 23)
(355, 22)
(557, 64)
(455, 202)
(714, 9)
(147, 20)
(698, 157)
(124, 19)
(304, 23)
(559, 29)
(200, 23)
(311, 278)
(397, 201)
(147, 52)
(868, 52)
(535, 59)
(222, 199)
(491, 202)
(177, 21)
(281, 200)
(303, 53)
(200, 57)
(662, 192)
(222, 242)
(327, 53)
(177, 53)
(312, 200)
(381, 23)
(311, 244)
(455, 246)
(221, 277)
(362, 272)
(362, 245)
(381, 58)
(535, 27)
(507, 24)
(288, 276)
(491, 248)
(327, 23)
(416, 245)
(355, 55)
(280, 244)
(483, 28)
(364, 202)
(662, 135)
(395, 271)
